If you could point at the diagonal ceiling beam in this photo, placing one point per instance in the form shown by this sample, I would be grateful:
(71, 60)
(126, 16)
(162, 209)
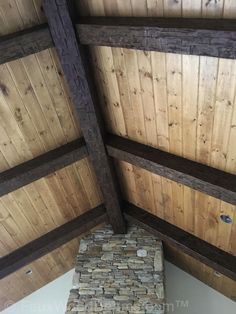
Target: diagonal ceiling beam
(39, 167)
(204, 252)
(208, 37)
(208, 180)
(52, 240)
(69, 52)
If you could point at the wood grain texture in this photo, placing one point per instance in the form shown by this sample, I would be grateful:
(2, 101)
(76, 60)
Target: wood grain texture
(215, 38)
(42, 166)
(181, 97)
(177, 103)
(24, 43)
(16, 15)
(197, 176)
(52, 240)
(38, 208)
(36, 112)
(70, 56)
(202, 251)
(181, 104)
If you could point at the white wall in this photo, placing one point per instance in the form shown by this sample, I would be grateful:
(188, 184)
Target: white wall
(181, 287)
(51, 299)
(189, 295)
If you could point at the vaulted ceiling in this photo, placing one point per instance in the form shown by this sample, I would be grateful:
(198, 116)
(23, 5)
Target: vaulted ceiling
(132, 120)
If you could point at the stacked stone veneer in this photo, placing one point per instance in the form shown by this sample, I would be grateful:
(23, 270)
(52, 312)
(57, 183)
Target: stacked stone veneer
(118, 274)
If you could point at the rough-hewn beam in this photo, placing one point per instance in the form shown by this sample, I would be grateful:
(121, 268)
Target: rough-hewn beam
(41, 166)
(203, 178)
(206, 253)
(208, 37)
(52, 240)
(69, 52)
(24, 43)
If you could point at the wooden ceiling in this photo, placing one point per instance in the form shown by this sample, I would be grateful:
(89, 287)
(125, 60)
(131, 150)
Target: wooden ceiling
(180, 104)
(37, 116)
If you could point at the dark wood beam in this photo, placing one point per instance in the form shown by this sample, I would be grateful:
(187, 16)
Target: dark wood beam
(52, 240)
(70, 55)
(204, 252)
(208, 37)
(41, 166)
(208, 180)
(24, 43)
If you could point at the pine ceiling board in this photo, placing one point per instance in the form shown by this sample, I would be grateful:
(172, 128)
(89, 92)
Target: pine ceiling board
(40, 207)
(204, 273)
(212, 9)
(16, 15)
(18, 285)
(36, 111)
(229, 9)
(191, 109)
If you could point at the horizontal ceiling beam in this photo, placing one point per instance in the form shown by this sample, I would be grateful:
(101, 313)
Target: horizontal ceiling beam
(24, 43)
(39, 167)
(204, 252)
(208, 37)
(52, 240)
(211, 181)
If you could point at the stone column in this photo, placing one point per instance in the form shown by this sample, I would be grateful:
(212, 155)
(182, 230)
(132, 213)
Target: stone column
(118, 274)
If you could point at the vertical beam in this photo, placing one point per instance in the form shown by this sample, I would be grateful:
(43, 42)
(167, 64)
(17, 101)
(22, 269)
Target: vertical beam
(64, 37)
